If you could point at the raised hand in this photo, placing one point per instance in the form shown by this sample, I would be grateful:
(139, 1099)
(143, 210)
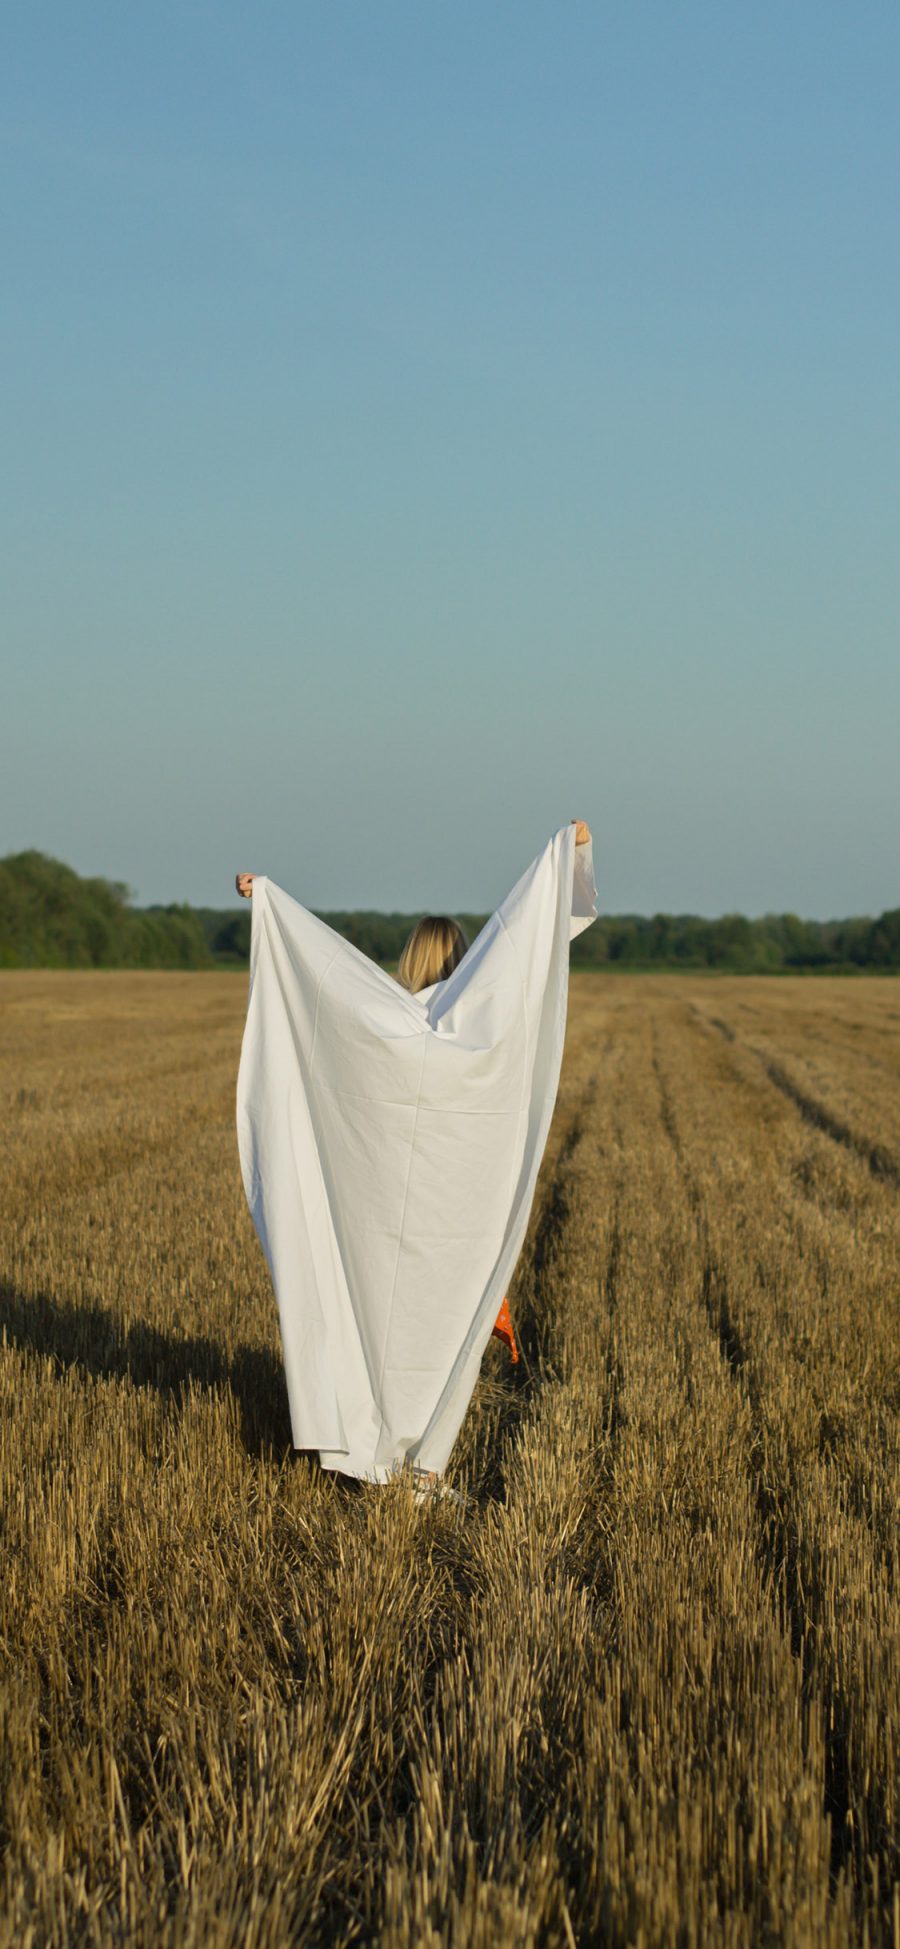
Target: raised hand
(244, 884)
(582, 832)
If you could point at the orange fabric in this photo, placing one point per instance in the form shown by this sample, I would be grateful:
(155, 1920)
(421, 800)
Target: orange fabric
(503, 1328)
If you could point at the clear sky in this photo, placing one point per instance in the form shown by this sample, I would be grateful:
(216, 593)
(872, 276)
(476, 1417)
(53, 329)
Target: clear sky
(424, 423)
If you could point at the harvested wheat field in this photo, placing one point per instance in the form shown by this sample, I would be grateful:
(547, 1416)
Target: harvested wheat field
(643, 1688)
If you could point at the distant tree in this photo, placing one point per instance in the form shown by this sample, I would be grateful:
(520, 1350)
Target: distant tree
(884, 940)
(52, 918)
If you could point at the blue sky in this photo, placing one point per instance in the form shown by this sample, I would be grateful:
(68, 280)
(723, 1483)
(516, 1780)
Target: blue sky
(424, 423)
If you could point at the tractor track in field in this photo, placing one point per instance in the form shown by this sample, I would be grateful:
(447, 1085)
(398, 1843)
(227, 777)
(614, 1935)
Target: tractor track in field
(608, 1285)
(877, 1157)
(779, 1538)
(879, 1160)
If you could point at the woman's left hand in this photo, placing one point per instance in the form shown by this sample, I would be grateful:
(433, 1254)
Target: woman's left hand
(582, 832)
(244, 884)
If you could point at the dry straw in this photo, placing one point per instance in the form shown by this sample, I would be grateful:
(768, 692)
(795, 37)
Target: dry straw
(643, 1688)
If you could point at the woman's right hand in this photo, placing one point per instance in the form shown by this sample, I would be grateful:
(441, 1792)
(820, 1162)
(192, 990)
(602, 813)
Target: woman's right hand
(244, 884)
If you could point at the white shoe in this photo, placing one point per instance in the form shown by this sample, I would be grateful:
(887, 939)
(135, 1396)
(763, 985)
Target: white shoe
(431, 1487)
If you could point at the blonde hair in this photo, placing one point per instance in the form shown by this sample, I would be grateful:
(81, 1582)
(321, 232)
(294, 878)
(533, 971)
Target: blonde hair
(435, 947)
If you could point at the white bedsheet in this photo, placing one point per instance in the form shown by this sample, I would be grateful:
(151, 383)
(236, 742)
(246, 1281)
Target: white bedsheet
(389, 1147)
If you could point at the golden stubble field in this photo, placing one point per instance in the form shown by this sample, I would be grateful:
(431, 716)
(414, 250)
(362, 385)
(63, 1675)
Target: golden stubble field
(645, 1688)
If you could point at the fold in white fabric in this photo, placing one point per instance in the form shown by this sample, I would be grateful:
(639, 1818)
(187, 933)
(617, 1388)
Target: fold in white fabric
(390, 1145)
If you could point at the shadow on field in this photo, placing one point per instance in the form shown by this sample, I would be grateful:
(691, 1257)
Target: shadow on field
(93, 1341)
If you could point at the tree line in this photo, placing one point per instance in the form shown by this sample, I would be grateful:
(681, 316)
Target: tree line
(52, 917)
